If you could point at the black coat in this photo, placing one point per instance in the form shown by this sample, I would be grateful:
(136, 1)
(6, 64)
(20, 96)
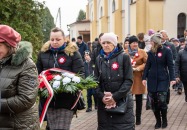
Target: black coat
(181, 65)
(118, 81)
(156, 70)
(73, 62)
(172, 47)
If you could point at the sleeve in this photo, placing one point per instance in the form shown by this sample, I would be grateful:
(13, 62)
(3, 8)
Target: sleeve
(97, 74)
(27, 91)
(146, 69)
(177, 65)
(174, 51)
(128, 81)
(142, 66)
(39, 64)
(78, 64)
(170, 65)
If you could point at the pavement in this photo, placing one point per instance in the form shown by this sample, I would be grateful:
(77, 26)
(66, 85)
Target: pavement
(177, 116)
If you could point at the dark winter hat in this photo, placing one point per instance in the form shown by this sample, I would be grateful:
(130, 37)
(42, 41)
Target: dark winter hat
(79, 37)
(96, 39)
(9, 35)
(182, 39)
(73, 39)
(133, 39)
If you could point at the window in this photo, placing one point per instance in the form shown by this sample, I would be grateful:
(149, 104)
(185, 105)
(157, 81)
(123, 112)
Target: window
(181, 25)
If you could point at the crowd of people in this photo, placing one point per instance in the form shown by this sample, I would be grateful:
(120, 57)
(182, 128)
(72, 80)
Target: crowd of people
(148, 64)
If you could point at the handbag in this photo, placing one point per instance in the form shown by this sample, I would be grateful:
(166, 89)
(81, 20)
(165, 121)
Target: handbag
(81, 103)
(121, 106)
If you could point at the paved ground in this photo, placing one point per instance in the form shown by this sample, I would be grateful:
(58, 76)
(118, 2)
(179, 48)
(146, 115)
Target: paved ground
(177, 116)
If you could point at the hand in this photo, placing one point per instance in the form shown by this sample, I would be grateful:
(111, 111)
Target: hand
(144, 82)
(172, 83)
(177, 80)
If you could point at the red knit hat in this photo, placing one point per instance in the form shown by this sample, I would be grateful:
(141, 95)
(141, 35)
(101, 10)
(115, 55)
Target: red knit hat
(9, 35)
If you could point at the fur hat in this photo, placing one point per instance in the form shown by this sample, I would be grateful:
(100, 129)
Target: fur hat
(157, 38)
(110, 37)
(133, 39)
(9, 35)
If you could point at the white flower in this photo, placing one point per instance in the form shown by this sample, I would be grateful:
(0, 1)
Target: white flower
(58, 77)
(68, 75)
(56, 84)
(76, 79)
(66, 80)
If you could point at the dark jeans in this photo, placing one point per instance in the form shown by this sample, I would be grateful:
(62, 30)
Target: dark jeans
(91, 92)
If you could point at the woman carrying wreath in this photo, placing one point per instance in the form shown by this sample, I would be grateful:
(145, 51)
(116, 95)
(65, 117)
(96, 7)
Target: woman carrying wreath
(138, 60)
(114, 72)
(56, 53)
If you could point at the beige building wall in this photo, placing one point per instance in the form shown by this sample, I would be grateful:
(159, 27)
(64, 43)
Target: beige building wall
(118, 21)
(155, 15)
(133, 19)
(171, 11)
(93, 29)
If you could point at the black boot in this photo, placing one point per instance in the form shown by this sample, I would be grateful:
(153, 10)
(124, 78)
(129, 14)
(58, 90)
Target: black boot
(158, 119)
(164, 118)
(138, 108)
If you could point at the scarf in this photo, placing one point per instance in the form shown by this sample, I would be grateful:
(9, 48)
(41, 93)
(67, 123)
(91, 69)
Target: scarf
(107, 57)
(132, 52)
(54, 50)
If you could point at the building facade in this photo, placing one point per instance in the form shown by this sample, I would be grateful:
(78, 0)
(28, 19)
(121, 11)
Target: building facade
(125, 17)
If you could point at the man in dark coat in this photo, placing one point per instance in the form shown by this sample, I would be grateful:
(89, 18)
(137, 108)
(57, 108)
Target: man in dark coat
(82, 46)
(95, 52)
(171, 46)
(181, 69)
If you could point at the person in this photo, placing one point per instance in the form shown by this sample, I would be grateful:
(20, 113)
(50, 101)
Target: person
(18, 82)
(182, 43)
(90, 92)
(96, 51)
(147, 40)
(181, 69)
(141, 43)
(126, 43)
(95, 43)
(159, 73)
(173, 50)
(178, 86)
(138, 58)
(56, 53)
(73, 40)
(82, 46)
(114, 72)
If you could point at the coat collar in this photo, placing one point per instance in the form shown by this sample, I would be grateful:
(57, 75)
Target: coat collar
(24, 52)
(69, 50)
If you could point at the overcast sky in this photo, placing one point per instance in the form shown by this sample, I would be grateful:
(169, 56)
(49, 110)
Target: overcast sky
(69, 10)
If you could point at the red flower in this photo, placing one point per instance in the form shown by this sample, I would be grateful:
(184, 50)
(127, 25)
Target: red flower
(49, 77)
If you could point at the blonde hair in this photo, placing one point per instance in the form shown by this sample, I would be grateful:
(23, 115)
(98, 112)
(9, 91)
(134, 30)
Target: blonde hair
(156, 38)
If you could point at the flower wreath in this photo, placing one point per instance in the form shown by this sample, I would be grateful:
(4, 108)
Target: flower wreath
(55, 80)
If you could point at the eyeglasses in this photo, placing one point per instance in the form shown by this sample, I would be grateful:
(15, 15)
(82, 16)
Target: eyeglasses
(106, 42)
